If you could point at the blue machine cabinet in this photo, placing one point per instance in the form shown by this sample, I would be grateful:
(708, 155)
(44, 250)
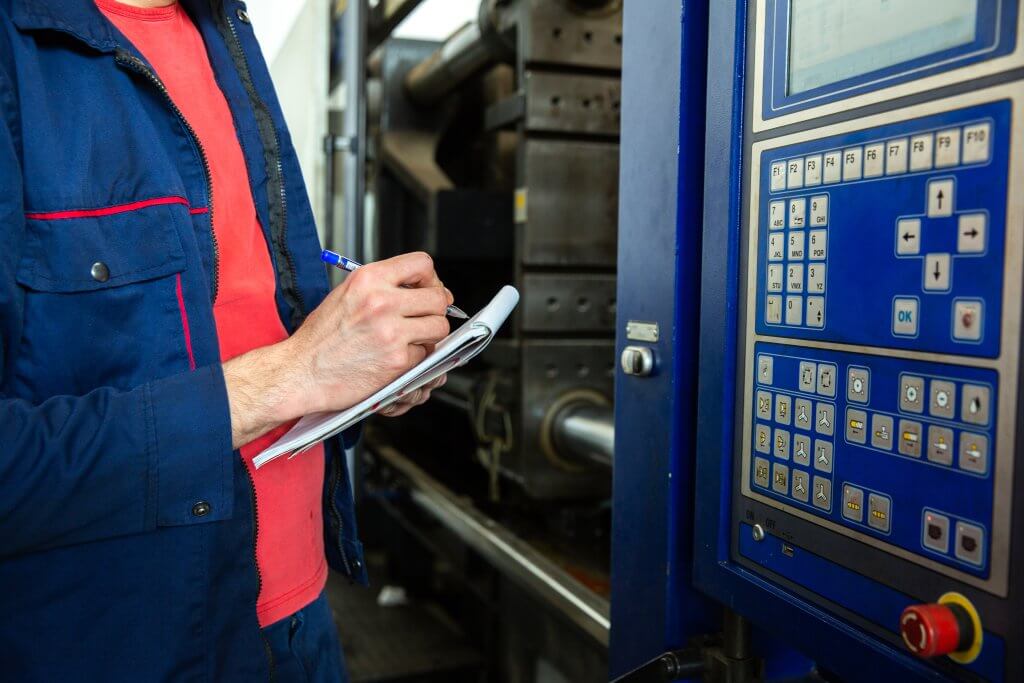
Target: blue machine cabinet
(654, 606)
(859, 417)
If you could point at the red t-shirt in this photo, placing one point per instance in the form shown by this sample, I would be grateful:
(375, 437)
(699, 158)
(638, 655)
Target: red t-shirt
(289, 542)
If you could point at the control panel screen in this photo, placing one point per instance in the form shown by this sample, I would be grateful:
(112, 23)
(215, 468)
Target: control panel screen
(833, 40)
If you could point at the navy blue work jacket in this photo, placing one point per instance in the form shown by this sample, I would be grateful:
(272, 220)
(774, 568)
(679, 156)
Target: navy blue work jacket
(127, 539)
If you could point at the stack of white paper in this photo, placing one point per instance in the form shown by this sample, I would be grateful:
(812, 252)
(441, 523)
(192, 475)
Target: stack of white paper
(454, 350)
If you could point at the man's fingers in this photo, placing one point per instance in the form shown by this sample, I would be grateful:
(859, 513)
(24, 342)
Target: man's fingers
(423, 301)
(428, 329)
(415, 269)
(416, 354)
(434, 384)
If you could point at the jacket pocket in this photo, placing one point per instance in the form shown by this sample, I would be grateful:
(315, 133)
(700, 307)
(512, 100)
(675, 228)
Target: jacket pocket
(103, 305)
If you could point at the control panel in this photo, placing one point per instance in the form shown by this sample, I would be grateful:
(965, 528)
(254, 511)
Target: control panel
(880, 340)
(904, 213)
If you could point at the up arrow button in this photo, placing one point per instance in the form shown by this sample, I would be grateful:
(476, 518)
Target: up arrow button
(940, 198)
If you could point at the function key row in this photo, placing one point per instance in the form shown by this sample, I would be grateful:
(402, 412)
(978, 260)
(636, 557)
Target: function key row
(970, 144)
(939, 445)
(941, 399)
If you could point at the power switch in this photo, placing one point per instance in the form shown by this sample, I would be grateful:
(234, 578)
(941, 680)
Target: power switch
(937, 629)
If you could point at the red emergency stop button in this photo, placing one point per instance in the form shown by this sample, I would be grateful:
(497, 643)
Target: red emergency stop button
(936, 629)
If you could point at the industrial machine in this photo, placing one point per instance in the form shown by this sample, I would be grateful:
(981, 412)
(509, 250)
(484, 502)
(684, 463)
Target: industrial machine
(859, 420)
(497, 152)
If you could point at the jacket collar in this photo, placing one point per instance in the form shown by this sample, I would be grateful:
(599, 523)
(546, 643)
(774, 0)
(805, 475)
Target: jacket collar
(78, 18)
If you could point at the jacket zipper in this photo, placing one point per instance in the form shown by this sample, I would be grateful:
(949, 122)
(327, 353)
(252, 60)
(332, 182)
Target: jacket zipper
(138, 66)
(335, 477)
(272, 154)
(259, 575)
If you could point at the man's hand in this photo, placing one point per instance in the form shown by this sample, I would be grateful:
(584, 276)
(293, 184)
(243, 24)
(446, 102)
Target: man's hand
(416, 398)
(367, 332)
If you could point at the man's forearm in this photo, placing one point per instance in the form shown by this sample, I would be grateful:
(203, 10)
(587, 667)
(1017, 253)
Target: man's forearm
(263, 392)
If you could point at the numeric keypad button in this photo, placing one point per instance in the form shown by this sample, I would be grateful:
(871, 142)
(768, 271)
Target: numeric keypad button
(797, 212)
(817, 247)
(816, 278)
(816, 311)
(773, 309)
(795, 251)
(819, 211)
(775, 273)
(794, 310)
(777, 215)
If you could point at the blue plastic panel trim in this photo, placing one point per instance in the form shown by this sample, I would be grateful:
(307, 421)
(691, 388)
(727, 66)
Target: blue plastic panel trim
(877, 603)
(864, 277)
(995, 36)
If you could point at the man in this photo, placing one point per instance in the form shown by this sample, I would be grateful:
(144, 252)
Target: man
(163, 317)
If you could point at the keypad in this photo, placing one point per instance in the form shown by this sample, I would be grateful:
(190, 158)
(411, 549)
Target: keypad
(795, 217)
(830, 423)
(797, 254)
(794, 430)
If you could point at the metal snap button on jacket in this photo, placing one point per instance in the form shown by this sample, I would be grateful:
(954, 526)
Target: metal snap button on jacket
(201, 509)
(243, 16)
(100, 272)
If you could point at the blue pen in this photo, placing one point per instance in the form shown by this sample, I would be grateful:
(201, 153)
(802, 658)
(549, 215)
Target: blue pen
(339, 261)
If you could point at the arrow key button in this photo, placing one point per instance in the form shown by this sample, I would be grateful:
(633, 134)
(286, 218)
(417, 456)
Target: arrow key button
(940, 198)
(970, 235)
(908, 237)
(937, 273)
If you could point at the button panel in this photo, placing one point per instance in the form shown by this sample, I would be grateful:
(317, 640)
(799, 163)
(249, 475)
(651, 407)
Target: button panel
(912, 213)
(861, 427)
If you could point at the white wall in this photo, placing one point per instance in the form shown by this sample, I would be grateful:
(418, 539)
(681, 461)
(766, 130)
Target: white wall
(437, 19)
(295, 37)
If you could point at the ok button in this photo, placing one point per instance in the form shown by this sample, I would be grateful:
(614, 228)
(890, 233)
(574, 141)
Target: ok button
(904, 317)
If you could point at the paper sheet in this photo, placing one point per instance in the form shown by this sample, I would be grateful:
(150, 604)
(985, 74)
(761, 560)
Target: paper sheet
(454, 350)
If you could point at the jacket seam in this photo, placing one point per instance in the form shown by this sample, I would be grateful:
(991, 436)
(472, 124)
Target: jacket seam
(152, 455)
(112, 209)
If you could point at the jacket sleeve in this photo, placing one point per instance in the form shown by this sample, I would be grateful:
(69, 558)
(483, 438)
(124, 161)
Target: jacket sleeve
(80, 468)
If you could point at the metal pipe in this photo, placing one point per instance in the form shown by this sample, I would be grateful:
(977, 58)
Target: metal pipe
(465, 53)
(354, 142)
(586, 431)
(503, 549)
